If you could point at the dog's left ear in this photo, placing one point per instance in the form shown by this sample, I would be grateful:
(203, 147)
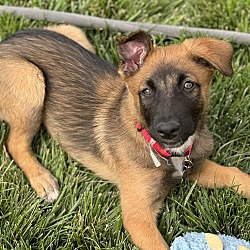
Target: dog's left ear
(213, 52)
(132, 51)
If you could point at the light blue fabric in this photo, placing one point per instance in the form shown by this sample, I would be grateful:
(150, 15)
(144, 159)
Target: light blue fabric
(197, 241)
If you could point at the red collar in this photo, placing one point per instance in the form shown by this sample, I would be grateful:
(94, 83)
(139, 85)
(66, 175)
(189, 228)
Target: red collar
(158, 148)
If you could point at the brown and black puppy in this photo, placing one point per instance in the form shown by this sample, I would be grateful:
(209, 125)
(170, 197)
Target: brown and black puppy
(141, 128)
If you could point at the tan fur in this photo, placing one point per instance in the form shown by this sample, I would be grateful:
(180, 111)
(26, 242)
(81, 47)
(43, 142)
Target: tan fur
(142, 187)
(213, 174)
(25, 119)
(73, 33)
(22, 84)
(141, 202)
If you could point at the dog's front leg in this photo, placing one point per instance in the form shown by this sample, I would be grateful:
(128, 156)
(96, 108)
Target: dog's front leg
(212, 174)
(141, 200)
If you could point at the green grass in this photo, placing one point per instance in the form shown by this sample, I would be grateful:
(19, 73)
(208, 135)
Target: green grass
(87, 214)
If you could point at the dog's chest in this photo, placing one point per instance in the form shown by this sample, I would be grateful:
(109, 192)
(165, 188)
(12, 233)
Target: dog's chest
(177, 163)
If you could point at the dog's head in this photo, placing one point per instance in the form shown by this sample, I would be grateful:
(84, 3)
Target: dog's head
(170, 85)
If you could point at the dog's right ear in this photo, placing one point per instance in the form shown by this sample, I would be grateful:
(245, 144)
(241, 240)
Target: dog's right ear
(132, 51)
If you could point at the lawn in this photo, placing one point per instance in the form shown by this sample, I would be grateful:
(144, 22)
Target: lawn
(87, 214)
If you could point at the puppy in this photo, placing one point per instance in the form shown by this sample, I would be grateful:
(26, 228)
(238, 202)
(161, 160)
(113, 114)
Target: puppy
(142, 127)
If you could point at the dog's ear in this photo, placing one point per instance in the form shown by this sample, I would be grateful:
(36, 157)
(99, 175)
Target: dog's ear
(132, 51)
(212, 52)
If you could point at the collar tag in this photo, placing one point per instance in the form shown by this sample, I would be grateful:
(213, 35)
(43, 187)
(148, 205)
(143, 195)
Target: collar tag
(187, 164)
(154, 158)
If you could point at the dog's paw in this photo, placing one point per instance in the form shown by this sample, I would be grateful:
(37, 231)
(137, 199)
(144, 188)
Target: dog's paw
(45, 185)
(240, 181)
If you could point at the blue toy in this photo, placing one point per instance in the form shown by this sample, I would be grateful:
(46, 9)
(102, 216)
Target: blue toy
(207, 241)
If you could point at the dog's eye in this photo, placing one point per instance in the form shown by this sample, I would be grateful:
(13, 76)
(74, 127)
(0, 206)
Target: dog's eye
(188, 85)
(147, 92)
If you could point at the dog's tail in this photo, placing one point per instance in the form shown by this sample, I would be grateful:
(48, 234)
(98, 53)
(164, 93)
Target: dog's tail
(74, 33)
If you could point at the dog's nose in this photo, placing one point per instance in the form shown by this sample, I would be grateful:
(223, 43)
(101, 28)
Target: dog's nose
(169, 130)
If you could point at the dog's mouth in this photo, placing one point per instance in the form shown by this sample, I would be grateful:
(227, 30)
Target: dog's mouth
(171, 144)
(172, 136)
(171, 148)
(179, 147)
(177, 144)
